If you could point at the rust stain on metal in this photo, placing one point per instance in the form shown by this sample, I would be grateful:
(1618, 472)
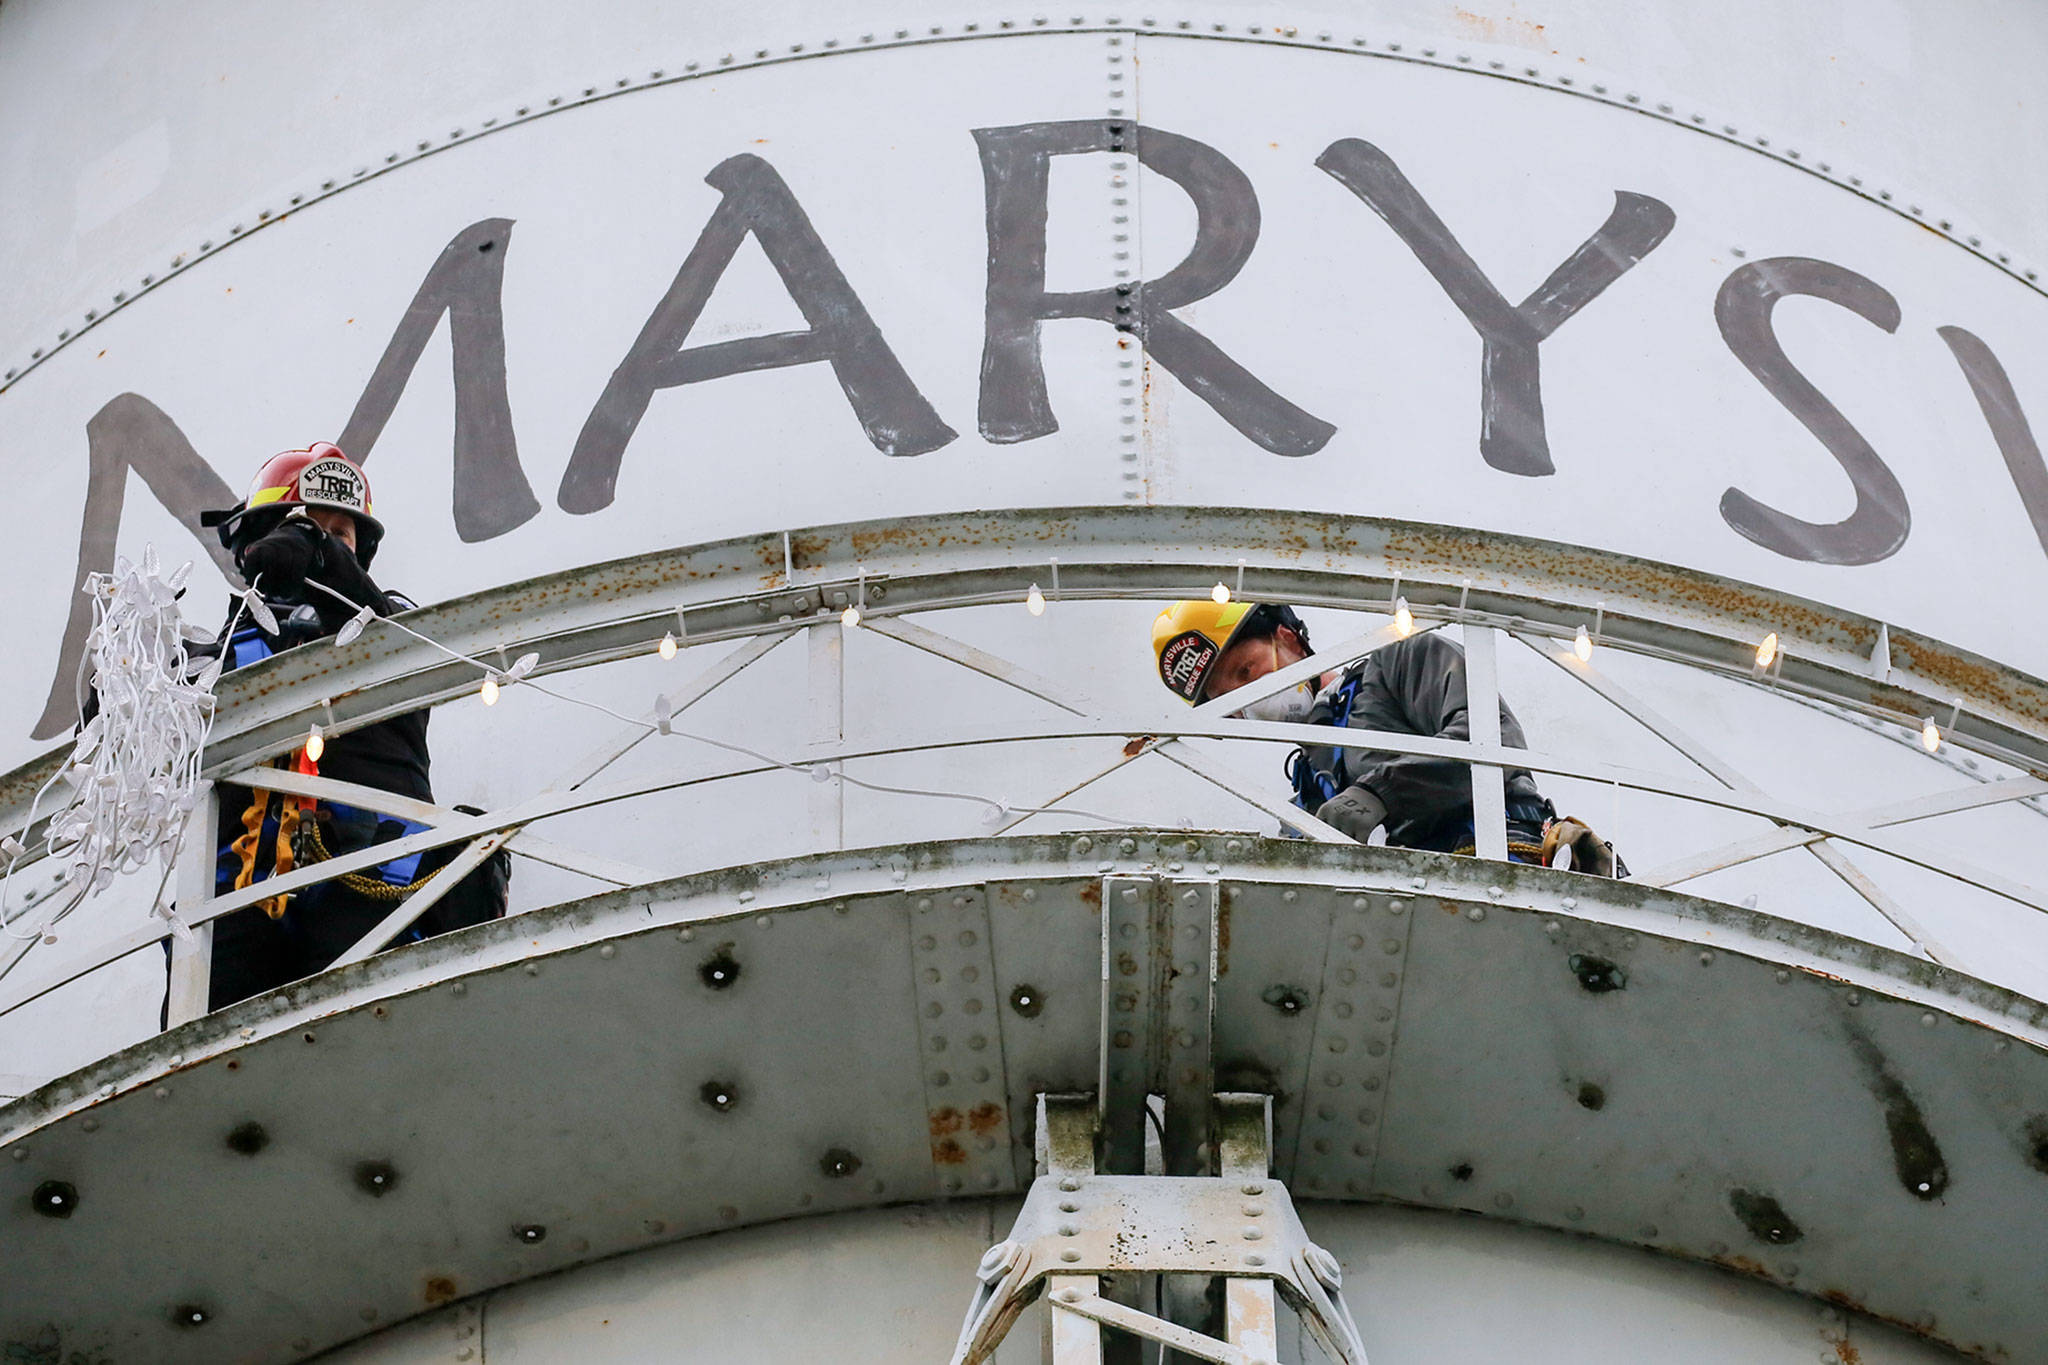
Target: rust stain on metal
(1748, 1265)
(1842, 1298)
(1447, 549)
(1126, 965)
(1508, 28)
(946, 1149)
(1091, 895)
(985, 1119)
(438, 1289)
(1978, 680)
(1137, 744)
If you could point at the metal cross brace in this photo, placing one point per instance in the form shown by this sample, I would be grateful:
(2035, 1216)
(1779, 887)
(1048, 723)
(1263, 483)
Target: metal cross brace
(1077, 1226)
(1727, 775)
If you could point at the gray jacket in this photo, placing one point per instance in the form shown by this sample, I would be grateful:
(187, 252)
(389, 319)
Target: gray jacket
(1414, 686)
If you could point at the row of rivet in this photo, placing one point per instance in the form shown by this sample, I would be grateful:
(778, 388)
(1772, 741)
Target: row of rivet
(1123, 189)
(965, 1087)
(1351, 1049)
(1284, 35)
(1129, 982)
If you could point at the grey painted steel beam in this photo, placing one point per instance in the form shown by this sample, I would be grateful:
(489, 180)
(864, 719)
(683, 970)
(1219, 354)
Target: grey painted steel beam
(1489, 782)
(738, 588)
(1848, 828)
(1563, 1051)
(1728, 776)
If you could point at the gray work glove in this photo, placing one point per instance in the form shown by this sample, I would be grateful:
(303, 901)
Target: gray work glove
(1354, 811)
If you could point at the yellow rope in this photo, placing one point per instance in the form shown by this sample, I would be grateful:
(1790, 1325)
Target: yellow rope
(292, 827)
(249, 844)
(1515, 846)
(371, 888)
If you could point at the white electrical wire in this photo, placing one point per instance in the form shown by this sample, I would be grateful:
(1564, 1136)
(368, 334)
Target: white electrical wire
(135, 765)
(993, 811)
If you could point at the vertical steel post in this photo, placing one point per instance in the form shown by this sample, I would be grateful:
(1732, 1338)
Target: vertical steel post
(1244, 1144)
(1066, 1149)
(1489, 782)
(1130, 1009)
(1188, 1021)
(192, 958)
(828, 727)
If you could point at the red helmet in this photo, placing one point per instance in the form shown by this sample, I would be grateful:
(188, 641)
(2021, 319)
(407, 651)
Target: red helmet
(318, 476)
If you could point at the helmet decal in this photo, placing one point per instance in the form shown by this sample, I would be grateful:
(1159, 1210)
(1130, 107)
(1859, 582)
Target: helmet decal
(1184, 663)
(334, 482)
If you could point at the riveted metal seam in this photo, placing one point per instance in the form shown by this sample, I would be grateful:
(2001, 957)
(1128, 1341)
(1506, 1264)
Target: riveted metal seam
(1283, 36)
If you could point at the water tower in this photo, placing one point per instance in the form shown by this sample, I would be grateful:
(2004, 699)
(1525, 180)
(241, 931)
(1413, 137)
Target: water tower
(827, 397)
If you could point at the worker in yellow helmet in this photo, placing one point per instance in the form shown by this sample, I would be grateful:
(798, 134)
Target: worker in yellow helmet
(1206, 649)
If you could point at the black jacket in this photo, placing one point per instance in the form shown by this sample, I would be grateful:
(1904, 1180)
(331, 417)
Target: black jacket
(1414, 686)
(390, 755)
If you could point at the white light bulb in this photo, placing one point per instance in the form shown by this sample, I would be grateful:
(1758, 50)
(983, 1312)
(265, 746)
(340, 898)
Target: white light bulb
(1767, 652)
(1404, 619)
(850, 617)
(1219, 594)
(667, 648)
(352, 628)
(1034, 601)
(1930, 735)
(489, 692)
(316, 744)
(1582, 645)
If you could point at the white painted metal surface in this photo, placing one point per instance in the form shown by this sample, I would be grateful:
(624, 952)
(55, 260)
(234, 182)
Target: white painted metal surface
(1751, 293)
(1429, 1287)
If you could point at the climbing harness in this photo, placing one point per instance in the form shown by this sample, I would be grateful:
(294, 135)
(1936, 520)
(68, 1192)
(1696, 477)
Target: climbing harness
(1312, 785)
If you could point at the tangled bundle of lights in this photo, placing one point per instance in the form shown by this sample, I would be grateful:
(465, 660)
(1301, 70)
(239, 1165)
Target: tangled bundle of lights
(135, 766)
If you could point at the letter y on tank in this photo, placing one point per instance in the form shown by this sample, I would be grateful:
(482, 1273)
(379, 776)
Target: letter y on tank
(1016, 167)
(1511, 433)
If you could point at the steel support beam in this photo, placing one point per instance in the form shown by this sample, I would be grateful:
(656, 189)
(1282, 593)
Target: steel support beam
(1854, 827)
(742, 587)
(1727, 775)
(191, 980)
(1482, 709)
(828, 731)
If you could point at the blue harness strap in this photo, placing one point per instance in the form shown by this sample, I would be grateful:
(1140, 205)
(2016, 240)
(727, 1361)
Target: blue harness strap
(1313, 786)
(247, 646)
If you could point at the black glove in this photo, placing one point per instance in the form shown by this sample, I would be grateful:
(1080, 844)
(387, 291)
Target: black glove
(285, 556)
(1354, 811)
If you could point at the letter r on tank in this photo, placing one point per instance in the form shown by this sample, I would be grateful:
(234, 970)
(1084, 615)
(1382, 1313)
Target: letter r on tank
(1016, 171)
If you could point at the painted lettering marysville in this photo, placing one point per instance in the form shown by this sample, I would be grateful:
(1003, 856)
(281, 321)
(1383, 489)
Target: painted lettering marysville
(492, 495)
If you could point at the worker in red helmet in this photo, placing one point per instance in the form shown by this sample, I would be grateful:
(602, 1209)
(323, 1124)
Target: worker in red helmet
(303, 538)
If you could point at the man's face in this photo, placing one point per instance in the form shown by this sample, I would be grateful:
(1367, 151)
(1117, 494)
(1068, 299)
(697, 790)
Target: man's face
(1247, 661)
(341, 525)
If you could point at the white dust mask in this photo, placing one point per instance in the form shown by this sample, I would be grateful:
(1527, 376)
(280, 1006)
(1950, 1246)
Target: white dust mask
(1285, 708)
(1288, 708)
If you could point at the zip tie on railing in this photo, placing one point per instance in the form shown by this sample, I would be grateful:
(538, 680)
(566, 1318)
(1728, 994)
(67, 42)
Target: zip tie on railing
(135, 766)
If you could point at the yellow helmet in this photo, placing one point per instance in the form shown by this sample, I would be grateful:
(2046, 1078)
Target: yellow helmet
(1188, 638)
